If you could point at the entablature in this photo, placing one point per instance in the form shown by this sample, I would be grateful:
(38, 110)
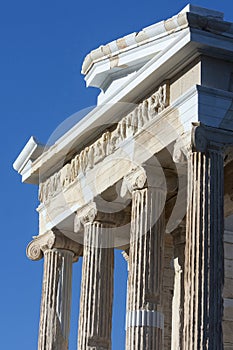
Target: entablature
(140, 118)
(194, 31)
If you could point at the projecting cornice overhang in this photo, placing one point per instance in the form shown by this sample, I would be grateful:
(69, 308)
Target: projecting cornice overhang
(123, 56)
(191, 16)
(31, 151)
(210, 35)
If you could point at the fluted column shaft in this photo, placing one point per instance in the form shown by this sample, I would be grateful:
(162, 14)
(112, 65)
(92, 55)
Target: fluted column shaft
(144, 324)
(59, 253)
(204, 258)
(178, 294)
(56, 300)
(95, 320)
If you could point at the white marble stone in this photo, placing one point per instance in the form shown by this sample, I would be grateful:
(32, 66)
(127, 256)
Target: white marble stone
(159, 142)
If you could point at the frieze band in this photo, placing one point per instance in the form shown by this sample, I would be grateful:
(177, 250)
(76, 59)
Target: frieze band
(106, 144)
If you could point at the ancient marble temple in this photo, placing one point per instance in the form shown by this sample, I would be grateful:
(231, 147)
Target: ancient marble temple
(148, 171)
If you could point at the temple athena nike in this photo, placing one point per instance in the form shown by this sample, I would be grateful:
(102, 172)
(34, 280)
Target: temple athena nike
(148, 171)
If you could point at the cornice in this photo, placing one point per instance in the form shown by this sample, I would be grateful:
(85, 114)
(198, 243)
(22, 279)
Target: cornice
(129, 42)
(168, 62)
(190, 16)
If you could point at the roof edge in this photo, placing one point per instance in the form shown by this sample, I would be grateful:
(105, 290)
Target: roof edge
(152, 32)
(32, 150)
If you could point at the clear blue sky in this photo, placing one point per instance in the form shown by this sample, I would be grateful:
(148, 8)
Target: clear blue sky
(43, 44)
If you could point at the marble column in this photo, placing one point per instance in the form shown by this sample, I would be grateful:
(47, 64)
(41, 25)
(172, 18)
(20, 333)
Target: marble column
(95, 319)
(145, 319)
(59, 253)
(178, 294)
(204, 257)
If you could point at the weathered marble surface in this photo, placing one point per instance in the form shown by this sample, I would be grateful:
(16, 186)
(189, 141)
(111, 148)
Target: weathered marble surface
(59, 253)
(184, 106)
(106, 144)
(95, 318)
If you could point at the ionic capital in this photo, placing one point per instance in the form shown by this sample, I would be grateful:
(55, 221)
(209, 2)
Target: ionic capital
(207, 139)
(182, 149)
(150, 176)
(202, 139)
(199, 138)
(53, 239)
(135, 180)
(84, 215)
(96, 211)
